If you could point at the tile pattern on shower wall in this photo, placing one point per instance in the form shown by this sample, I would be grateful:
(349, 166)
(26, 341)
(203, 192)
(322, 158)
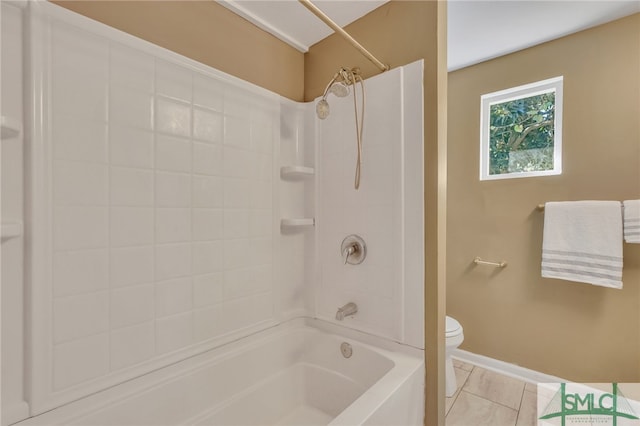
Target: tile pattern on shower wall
(162, 207)
(374, 211)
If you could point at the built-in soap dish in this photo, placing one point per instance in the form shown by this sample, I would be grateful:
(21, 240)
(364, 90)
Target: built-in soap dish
(296, 172)
(297, 222)
(11, 128)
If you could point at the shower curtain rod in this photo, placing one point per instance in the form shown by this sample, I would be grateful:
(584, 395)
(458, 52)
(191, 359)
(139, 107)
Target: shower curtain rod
(324, 18)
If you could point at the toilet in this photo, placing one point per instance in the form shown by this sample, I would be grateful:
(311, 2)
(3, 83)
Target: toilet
(453, 339)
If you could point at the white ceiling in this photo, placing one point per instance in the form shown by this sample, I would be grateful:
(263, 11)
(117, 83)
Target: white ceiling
(477, 29)
(480, 30)
(293, 23)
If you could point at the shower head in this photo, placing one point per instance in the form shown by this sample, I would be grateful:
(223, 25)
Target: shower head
(339, 88)
(322, 109)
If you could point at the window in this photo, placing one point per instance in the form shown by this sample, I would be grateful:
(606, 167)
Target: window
(521, 131)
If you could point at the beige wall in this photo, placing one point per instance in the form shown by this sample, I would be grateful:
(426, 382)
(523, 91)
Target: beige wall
(576, 331)
(399, 33)
(208, 33)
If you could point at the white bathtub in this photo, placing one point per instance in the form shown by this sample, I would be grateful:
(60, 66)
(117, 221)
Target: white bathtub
(291, 374)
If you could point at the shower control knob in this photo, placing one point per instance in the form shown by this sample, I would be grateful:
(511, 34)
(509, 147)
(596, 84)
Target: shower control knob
(353, 250)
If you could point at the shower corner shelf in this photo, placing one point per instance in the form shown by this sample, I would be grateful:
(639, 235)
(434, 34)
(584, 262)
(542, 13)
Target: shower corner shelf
(10, 127)
(296, 172)
(298, 222)
(11, 230)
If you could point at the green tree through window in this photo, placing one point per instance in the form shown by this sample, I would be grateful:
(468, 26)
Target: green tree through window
(521, 135)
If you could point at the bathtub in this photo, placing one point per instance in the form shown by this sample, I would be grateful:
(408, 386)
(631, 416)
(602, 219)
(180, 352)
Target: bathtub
(291, 374)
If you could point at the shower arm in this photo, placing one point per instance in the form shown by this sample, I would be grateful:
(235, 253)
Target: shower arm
(342, 75)
(333, 80)
(324, 18)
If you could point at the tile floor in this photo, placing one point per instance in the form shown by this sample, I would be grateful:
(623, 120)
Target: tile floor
(491, 399)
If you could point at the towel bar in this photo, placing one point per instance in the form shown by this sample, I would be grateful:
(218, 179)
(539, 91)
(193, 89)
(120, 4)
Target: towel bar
(540, 207)
(479, 261)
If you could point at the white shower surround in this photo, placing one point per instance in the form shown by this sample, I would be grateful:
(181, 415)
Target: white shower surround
(386, 211)
(165, 121)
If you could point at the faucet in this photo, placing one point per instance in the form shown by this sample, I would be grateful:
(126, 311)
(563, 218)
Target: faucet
(347, 310)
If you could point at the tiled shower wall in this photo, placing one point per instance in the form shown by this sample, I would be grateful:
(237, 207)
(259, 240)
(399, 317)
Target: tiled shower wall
(161, 200)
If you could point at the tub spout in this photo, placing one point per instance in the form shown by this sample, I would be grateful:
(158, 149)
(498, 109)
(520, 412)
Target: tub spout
(347, 310)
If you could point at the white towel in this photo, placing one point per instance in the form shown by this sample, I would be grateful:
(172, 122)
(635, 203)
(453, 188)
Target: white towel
(631, 213)
(582, 242)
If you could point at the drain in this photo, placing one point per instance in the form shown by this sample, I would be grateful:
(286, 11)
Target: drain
(346, 350)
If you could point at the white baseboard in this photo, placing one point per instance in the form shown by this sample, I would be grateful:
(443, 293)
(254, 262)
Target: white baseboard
(511, 370)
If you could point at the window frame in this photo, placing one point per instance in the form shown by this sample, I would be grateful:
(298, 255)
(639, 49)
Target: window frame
(550, 85)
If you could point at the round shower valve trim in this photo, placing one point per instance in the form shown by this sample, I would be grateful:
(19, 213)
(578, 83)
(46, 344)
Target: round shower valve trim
(353, 249)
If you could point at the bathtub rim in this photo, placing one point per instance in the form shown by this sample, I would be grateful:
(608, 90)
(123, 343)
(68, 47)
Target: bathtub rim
(407, 360)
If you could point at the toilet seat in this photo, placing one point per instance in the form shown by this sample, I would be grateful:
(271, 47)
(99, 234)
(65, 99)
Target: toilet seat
(452, 327)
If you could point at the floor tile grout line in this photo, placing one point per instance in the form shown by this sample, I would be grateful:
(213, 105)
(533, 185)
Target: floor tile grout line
(455, 398)
(495, 402)
(462, 363)
(524, 384)
(464, 383)
(520, 405)
(488, 400)
(460, 388)
(501, 373)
